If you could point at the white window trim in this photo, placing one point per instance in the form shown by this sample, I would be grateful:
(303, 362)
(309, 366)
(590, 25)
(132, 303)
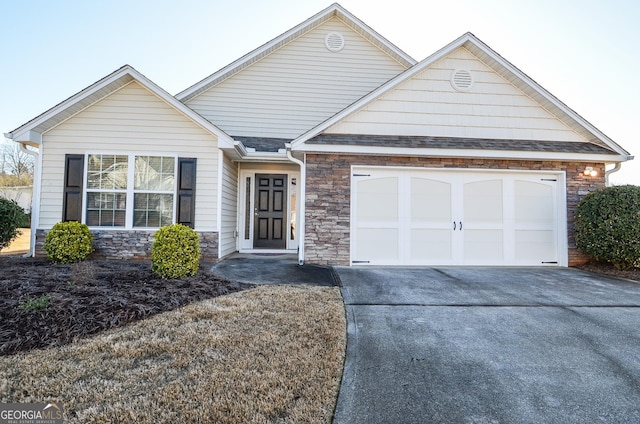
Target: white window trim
(130, 192)
(246, 246)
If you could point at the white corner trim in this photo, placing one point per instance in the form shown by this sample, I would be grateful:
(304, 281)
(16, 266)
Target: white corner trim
(219, 196)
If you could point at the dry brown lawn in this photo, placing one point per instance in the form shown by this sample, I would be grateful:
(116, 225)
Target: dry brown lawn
(264, 355)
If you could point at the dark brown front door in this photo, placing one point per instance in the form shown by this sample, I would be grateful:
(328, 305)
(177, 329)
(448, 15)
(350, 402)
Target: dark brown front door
(270, 212)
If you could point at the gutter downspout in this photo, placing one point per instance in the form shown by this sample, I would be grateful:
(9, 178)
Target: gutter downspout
(616, 168)
(301, 209)
(35, 195)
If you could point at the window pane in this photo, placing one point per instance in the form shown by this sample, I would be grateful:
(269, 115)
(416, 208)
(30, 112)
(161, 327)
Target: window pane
(107, 172)
(119, 217)
(93, 218)
(167, 182)
(140, 218)
(140, 202)
(168, 165)
(153, 219)
(152, 210)
(106, 209)
(154, 173)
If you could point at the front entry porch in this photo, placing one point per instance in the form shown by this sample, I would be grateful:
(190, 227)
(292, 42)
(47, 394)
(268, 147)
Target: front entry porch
(268, 201)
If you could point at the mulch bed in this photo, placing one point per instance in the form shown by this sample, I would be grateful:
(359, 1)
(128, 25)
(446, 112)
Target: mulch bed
(605, 268)
(88, 298)
(93, 296)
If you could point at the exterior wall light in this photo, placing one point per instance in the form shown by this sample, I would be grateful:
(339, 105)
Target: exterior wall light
(590, 172)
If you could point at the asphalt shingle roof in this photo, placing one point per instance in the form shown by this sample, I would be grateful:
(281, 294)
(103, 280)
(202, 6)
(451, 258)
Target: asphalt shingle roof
(428, 142)
(263, 144)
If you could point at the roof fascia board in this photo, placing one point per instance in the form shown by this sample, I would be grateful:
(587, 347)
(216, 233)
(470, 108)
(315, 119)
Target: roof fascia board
(25, 132)
(380, 90)
(463, 41)
(251, 57)
(305, 26)
(476, 42)
(265, 157)
(367, 32)
(86, 92)
(223, 138)
(28, 136)
(460, 153)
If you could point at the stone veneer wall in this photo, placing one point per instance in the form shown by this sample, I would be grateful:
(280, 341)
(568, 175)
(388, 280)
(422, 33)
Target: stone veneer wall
(134, 244)
(328, 200)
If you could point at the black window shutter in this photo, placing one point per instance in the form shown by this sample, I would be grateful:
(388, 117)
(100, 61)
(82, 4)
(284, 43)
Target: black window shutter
(186, 191)
(73, 179)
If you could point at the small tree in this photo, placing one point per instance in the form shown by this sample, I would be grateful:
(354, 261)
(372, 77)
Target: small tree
(11, 219)
(608, 225)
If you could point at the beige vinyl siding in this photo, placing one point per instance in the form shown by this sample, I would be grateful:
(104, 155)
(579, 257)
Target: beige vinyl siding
(427, 104)
(229, 218)
(297, 86)
(131, 120)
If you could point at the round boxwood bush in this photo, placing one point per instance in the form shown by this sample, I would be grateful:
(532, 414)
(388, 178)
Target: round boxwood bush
(175, 252)
(608, 225)
(68, 242)
(11, 219)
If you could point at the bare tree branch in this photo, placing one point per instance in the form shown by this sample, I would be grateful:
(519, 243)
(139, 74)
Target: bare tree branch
(16, 166)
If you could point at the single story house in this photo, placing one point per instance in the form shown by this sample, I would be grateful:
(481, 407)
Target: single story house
(329, 142)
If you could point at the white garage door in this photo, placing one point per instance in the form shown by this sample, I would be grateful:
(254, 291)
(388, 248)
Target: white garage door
(437, 217)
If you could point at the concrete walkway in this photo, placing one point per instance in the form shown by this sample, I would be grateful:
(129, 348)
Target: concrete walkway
(489, 345)
(272, 269)
(20, 246)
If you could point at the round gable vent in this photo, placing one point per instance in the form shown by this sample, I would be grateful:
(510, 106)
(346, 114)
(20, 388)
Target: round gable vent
(334, 41)
(462, 80)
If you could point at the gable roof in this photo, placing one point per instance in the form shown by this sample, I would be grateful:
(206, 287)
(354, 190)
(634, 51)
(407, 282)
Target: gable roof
(32, 131)
(501, 66)
(335, 10)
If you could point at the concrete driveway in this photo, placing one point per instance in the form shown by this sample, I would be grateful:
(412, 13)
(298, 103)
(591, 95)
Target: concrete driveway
(489, 345)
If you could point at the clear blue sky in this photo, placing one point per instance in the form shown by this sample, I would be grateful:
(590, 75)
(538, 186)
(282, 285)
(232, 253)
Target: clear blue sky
(582, 51)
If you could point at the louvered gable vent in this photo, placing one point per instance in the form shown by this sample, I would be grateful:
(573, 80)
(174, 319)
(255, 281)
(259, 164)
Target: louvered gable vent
(462, 80)
(334, 41)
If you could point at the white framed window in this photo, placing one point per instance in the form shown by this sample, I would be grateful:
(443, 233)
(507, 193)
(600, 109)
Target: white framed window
(107, 177)
(153, 191)
(130, 191)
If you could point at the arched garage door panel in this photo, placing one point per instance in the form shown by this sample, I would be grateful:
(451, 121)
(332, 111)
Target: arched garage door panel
(420, 217)
(430, 219)
(378, 219)
(536, 221)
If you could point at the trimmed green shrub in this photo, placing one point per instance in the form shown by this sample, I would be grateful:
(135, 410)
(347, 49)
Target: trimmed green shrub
(175, 252)
(608, 225)
(11, 219)
(68, 242)
(25, 220)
